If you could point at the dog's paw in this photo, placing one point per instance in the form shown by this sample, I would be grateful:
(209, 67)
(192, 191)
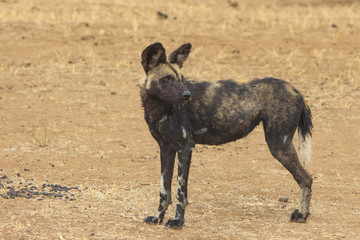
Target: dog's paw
(175, 223)
(298, 217)
(153, 220)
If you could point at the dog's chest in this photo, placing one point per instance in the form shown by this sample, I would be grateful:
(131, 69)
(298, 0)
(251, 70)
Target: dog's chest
(169, 128)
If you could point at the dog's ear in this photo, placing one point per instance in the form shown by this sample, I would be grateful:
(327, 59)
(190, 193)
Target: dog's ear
(152, 56)
(180, 55)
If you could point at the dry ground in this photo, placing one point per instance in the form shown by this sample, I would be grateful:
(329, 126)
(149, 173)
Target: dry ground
(71, 115)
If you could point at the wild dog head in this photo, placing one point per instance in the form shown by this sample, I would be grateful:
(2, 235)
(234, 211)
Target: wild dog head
(163, 76)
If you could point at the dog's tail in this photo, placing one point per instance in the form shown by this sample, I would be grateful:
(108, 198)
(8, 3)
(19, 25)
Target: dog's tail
(304, 133)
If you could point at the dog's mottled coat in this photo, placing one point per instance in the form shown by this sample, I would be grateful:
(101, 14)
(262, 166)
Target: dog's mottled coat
(181, 113)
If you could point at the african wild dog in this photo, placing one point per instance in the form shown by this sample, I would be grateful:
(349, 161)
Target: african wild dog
(181, 113)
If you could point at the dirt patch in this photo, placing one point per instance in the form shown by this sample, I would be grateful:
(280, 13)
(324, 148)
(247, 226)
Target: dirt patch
(71, 116)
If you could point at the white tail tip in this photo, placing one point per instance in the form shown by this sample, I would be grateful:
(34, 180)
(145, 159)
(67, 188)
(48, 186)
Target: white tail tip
(305, 148)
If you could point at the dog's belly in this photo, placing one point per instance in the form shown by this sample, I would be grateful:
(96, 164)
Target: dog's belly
(223, 134)
(215, 139)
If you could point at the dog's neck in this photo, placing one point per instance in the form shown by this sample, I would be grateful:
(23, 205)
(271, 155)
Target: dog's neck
(155, 107)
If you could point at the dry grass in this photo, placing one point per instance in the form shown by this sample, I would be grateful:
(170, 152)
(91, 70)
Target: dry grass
(70, 113)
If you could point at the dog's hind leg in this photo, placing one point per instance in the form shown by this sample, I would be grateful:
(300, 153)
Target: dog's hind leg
(167, 167)
(282, 149)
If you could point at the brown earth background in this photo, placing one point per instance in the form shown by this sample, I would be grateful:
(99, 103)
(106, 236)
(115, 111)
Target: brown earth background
(71, 118)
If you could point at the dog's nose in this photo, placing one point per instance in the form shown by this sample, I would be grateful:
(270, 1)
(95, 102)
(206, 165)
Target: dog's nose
(186, 95)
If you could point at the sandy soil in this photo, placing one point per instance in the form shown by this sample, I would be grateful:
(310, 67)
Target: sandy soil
(72, 133)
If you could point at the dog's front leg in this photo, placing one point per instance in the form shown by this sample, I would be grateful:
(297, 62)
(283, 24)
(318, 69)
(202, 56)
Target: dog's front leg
(167, 155)
(184, 155)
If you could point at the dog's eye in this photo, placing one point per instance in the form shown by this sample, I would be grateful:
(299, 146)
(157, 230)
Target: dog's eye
(166, 79)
